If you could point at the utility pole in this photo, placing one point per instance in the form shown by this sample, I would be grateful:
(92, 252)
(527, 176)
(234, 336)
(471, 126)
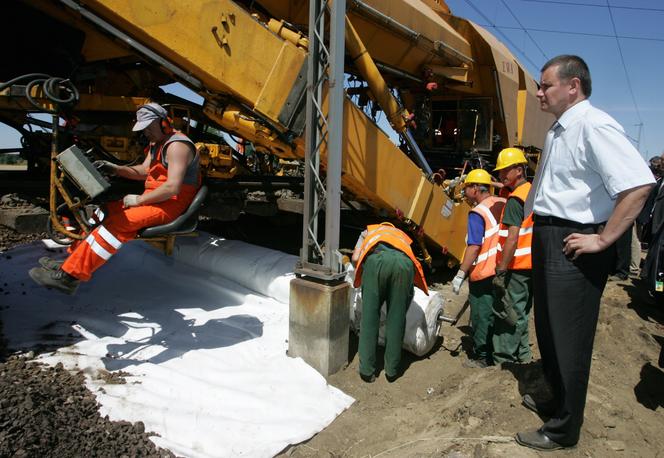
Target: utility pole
(319, 300)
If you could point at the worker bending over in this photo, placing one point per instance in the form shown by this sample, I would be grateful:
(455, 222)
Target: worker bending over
(387, 270)
(479, 261)
(172, 178)
(513, 280)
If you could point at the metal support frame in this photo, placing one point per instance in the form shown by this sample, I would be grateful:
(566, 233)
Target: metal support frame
(320, 257)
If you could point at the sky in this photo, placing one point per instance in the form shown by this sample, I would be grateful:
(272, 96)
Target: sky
(537, 30)
(627, 71)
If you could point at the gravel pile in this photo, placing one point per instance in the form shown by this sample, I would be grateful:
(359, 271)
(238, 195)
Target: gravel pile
(10, 238)
(47, 412)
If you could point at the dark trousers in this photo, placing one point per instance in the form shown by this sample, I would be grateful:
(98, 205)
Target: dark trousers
(388, 277)
(623, 254)
(567, 297)
(480, 295)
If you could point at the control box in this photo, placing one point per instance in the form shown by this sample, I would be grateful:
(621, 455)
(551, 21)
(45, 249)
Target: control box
(81, 172)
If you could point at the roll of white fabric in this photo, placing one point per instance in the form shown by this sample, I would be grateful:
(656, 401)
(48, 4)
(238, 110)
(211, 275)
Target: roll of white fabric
(421, 319)
(266, 271)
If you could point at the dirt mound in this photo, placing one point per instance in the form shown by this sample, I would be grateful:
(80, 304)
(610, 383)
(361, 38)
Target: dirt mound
(47, 411)
(441, 408)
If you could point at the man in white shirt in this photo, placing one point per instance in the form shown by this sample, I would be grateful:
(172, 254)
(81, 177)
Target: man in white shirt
(589, 187)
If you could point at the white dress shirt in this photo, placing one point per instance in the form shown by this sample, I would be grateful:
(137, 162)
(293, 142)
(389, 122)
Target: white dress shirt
(587, 161)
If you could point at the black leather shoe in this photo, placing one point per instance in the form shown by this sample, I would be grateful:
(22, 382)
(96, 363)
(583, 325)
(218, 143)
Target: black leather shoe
(545, 409)
(538, 440)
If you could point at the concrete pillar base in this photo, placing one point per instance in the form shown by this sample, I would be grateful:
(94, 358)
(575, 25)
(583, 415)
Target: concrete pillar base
(319, 321)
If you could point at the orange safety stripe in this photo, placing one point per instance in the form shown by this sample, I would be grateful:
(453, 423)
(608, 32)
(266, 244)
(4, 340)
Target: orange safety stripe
(522, 259)
(485, 264)
(390, 235)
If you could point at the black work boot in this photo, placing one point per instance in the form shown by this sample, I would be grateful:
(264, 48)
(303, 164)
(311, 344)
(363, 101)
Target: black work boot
(50, 264)
(58, 279)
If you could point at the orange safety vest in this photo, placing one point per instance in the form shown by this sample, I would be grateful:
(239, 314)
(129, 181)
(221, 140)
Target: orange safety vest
(485, 264)
(522, 259)
(158, 171)
(390, 235)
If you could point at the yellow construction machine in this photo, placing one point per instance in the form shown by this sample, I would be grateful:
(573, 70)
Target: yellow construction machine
(445, 87)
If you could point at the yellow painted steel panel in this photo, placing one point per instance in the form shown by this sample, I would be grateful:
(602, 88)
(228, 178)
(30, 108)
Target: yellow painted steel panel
(217, 41)
(507, 70)
(384, 44)
(537, 123)
(375, 169)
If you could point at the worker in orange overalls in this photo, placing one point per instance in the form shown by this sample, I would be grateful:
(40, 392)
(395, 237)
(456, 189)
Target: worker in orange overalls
(513, 280)
(172, 178)
(387, 270)
(479, 262)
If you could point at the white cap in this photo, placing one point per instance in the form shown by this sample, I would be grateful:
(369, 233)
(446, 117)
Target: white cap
(145, 115)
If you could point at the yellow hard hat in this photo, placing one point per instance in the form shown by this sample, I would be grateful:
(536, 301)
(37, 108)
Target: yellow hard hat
(478, 176)
(508, 157)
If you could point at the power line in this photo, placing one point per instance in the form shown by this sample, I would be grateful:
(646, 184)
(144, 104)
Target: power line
(595, 6)
(622, 59)
(514, 46)
(524, 29)
(567, 32)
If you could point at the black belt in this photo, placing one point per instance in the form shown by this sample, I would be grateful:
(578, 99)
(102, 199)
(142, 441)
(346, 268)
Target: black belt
(555, 221)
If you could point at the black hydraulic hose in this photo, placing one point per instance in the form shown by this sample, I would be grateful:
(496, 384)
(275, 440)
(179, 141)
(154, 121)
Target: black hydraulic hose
(5, 85)
(52, 86)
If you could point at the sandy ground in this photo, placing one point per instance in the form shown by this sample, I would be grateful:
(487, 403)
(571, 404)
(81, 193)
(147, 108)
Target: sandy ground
(441, 408)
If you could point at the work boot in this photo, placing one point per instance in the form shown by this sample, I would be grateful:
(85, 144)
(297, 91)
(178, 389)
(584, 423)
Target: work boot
(58, 279)
(50, 264)
(368, 378)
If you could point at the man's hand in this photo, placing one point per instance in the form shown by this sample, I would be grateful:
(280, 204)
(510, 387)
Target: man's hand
(577, 244)
(498, 283)
(106, 167)
(131, 200)
(458, 281)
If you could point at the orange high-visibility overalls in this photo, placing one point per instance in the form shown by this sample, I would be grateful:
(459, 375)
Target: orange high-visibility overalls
(121, 225)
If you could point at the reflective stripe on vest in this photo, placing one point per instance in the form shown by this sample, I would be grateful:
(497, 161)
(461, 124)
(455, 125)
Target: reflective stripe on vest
(485, 264)
(522, 259)
(390, 235)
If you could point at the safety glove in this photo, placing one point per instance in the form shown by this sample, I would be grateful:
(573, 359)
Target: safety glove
(130, 200)
(510, 314)
(499, 283)
(106, 167)
(458, 281)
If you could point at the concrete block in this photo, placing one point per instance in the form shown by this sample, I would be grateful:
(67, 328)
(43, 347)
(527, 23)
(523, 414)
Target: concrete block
(319, 321)
(24, 220)
(291, 205)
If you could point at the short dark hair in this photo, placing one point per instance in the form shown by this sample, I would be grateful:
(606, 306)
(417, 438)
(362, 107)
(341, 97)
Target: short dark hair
(570, 66)
(656, 165)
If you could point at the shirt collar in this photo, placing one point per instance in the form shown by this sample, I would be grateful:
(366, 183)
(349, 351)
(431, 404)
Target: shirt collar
(573, 113)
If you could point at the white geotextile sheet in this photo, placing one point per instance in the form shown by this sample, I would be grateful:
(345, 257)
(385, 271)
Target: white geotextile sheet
(204, 358)
(422, 325)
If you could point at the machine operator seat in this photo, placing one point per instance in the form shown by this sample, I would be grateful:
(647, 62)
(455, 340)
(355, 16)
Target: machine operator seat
(163, 236)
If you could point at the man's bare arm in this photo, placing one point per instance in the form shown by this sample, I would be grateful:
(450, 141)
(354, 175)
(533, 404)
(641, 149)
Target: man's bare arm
(178, 156)
(134, 172)
(469, 257)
